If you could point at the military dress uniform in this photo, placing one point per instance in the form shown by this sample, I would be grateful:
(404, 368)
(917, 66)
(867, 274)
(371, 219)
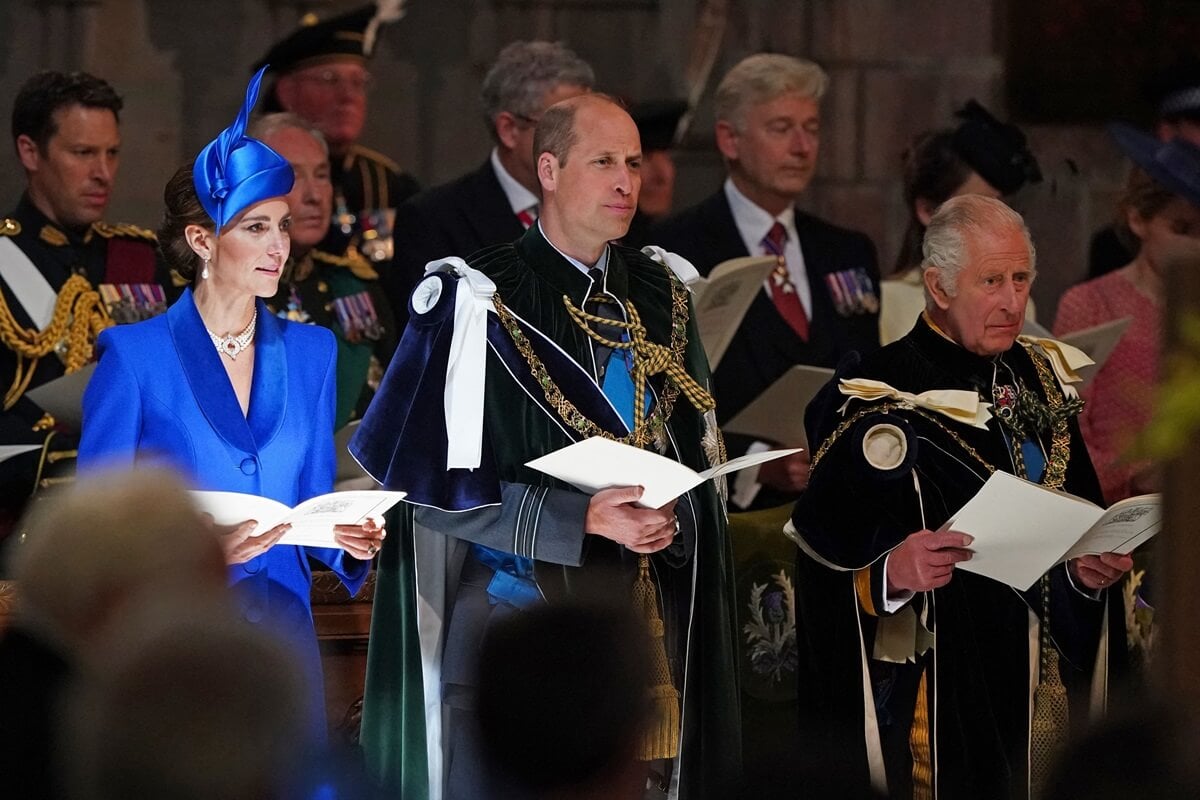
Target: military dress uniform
(367, 185)
(342, 293)
(59, 288)
(367, 188)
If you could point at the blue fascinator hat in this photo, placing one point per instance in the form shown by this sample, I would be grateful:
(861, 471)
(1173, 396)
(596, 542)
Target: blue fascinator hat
(233, 171)
(1173, 164)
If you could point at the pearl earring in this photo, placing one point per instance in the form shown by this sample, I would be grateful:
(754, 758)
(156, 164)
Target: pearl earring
(204, 274)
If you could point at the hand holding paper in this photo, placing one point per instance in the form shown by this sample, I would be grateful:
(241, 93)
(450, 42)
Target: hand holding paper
(314, 523)
(1101, 571)
(598, 463)
(1022, 529)
(614, 514)
(925, 560)
(247, 540)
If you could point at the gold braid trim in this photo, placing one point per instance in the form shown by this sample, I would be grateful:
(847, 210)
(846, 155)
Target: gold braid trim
(353, 261)
(649, 358)
(645, 431)
(79, 317)
(1060, 434)
(918, 742)
(885, 408)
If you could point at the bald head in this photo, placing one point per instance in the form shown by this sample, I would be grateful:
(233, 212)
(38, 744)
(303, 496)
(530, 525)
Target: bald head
(589, 159)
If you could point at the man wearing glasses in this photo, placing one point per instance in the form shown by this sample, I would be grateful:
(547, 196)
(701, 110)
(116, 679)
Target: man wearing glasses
(320, 73)
(496, 202)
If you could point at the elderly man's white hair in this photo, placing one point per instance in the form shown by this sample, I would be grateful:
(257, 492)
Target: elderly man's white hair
(969, 215)
(185, 701)
(107, 540)
(268, 125)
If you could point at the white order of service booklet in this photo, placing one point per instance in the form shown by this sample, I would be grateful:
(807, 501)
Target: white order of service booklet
(312, 521)
(598, 463)
(1021, 530)
(722, 298)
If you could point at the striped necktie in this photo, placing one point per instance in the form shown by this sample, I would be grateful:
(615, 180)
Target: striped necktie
(783, 291)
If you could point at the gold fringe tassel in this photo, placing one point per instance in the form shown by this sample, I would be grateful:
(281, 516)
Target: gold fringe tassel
(661, 737)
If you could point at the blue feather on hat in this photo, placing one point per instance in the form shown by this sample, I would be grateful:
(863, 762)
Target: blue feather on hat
(234, 172)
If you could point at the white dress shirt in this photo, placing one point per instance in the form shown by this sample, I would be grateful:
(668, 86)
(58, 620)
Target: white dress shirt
(753, 223)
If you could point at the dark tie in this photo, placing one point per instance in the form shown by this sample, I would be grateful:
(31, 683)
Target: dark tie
(783, 291)
(602, 305)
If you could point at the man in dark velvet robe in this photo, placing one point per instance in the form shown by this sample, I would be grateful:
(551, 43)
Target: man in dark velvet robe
(514, 537)
(951, 715)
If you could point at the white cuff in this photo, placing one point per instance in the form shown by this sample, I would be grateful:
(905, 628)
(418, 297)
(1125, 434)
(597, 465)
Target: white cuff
(893, 602)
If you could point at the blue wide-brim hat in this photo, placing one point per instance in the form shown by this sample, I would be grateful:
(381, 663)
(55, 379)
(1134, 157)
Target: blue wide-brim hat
(234, 172)
(1174, 164)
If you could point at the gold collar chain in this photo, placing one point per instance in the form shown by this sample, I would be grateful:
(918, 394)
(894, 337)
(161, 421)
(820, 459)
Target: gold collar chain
(647, 431)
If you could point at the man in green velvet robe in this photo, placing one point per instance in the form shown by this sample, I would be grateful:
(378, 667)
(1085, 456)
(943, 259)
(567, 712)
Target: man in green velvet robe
(498, 367)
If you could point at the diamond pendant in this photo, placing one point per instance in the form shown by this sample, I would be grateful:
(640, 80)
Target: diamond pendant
(230, 346)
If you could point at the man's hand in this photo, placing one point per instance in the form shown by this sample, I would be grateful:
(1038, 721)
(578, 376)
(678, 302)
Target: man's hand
(612, 513)
(1102, 571)
(925, 560)
(787, 474)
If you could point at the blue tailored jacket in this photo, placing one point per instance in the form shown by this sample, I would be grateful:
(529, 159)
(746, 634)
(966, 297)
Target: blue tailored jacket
(160, 395)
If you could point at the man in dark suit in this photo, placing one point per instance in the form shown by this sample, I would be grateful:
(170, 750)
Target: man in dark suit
(497, 202)
(822, 300)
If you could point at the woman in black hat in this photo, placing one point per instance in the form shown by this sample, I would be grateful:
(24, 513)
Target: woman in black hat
(981, 156)
(1159, 217)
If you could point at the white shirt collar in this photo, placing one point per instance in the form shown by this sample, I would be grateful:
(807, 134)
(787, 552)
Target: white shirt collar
(518, 196)
(753, 221)
(601, 263)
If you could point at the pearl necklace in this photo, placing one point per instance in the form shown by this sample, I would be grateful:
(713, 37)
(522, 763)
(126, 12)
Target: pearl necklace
(231, 345)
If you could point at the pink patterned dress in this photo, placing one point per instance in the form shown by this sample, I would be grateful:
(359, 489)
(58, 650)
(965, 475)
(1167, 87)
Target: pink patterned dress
(1120, 396)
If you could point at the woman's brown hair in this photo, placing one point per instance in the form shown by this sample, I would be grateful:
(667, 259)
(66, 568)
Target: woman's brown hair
(181, 208)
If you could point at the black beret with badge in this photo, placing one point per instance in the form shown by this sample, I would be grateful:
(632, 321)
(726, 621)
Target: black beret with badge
(994, 149)
(348, 36)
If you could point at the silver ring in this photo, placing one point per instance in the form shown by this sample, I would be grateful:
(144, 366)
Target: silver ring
(371, 549)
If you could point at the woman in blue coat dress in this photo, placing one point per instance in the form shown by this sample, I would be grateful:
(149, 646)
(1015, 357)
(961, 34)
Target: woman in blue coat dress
(223, 391)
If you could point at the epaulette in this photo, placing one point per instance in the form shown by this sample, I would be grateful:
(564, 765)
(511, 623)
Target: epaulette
(10, 227)
(353, 261)
(373, 155)
(123, 231)
(53, 236)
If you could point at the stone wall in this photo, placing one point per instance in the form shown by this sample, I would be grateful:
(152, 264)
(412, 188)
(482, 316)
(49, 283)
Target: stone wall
(897, 67)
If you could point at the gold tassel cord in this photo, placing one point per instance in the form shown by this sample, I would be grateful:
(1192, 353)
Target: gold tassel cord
(649, 358)
(1051, 717)
(661, 736)
(79, 317)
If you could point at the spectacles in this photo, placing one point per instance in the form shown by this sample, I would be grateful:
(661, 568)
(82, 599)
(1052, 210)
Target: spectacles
(531, 121)
(330, 80)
